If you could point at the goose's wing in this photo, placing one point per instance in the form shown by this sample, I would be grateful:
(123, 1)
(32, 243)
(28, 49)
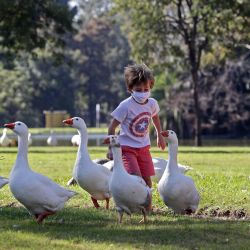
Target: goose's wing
(183, 169)
(38, 192)
(47, 184)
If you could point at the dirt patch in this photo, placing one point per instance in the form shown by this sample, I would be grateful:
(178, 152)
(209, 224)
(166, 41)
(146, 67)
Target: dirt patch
(12, 204)
(222, 213)
(209, 212)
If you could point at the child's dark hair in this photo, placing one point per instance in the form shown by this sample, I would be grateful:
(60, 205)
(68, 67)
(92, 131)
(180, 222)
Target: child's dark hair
(137, 74)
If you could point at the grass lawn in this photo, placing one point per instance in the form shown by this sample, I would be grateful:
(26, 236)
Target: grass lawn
(221, 174)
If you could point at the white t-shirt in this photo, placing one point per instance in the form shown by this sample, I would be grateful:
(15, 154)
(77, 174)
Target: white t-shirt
(135, 119)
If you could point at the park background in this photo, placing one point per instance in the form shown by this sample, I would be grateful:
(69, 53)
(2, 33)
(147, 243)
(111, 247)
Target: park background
(55, 57)
(70, 55)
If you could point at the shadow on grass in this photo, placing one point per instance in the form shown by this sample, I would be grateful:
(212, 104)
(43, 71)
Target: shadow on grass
(80, 225)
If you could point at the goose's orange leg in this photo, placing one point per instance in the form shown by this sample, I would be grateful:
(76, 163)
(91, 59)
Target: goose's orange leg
(95, 202)
(107, 203)
(42, 216)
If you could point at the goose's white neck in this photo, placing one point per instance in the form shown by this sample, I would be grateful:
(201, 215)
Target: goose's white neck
(83, 154)
(118, 163)
(172, 158)
(22, 154)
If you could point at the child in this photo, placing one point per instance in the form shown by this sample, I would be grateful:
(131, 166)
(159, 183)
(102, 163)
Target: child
(134, 114)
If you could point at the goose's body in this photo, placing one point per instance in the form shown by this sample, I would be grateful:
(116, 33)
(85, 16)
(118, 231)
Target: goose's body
(52, 140)
(3, 181)
(129, 192)
(177, 190)
(92, 177)
(4, 139)
(39, 194)
(160, 166)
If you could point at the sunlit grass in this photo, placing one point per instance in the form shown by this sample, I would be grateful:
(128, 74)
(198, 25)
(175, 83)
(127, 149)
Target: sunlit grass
(221, 174)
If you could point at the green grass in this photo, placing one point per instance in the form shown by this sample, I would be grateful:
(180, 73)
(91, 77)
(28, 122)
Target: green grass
(221, 174)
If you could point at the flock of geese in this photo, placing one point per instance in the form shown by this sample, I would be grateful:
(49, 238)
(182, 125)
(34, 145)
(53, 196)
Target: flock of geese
(5, 141)
(43, 197)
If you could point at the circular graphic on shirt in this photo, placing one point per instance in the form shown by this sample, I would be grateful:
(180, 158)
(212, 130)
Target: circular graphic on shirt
(139, 125)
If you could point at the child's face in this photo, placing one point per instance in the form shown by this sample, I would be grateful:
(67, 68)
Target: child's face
(142, 87)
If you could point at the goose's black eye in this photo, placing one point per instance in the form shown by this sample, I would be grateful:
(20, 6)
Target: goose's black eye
(171, 132)
(77, 119)
(19, 123)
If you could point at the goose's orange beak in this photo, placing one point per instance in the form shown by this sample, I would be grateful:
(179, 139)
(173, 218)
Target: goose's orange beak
(68, 121)
(165, 133)
(10, 125)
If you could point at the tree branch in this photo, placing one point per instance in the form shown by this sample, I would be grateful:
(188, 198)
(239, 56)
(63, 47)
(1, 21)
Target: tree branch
(180, 22)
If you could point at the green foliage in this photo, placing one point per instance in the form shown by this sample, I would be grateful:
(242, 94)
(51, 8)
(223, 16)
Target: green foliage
(16, 94)
(162, 31)
(88, 71)
(28, 24)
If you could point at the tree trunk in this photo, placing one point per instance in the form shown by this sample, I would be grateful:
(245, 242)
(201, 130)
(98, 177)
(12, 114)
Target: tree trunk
(197, 138)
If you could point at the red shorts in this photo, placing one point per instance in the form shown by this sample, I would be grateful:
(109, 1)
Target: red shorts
(138, 161)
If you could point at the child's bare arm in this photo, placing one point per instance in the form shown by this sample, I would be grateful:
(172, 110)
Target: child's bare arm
(112, 126)
(160, 140)
(111, 131)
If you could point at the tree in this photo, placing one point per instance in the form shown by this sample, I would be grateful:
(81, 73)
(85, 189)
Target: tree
(103, 54)
(224, 91)
(16, 95)
(93, 61)
(163, 31)
(27, 25)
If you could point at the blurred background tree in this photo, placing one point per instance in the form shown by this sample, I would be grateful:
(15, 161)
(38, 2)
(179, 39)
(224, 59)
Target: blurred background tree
(73, 73)
(165, 31)
(70, 55)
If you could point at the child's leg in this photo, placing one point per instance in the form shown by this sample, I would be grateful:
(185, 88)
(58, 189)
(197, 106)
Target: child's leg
(129, 157)
(149, 183)
(146, 167)
(148, 180)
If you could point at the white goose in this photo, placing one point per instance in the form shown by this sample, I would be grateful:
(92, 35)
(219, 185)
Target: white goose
(92, 177)
(75, 140)
(29, 139)
(72, 181)
(52, 140)
(177, 190)
(40, 195)
(130, 192)
(3, 181)
(4, 140)
(159, 167)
